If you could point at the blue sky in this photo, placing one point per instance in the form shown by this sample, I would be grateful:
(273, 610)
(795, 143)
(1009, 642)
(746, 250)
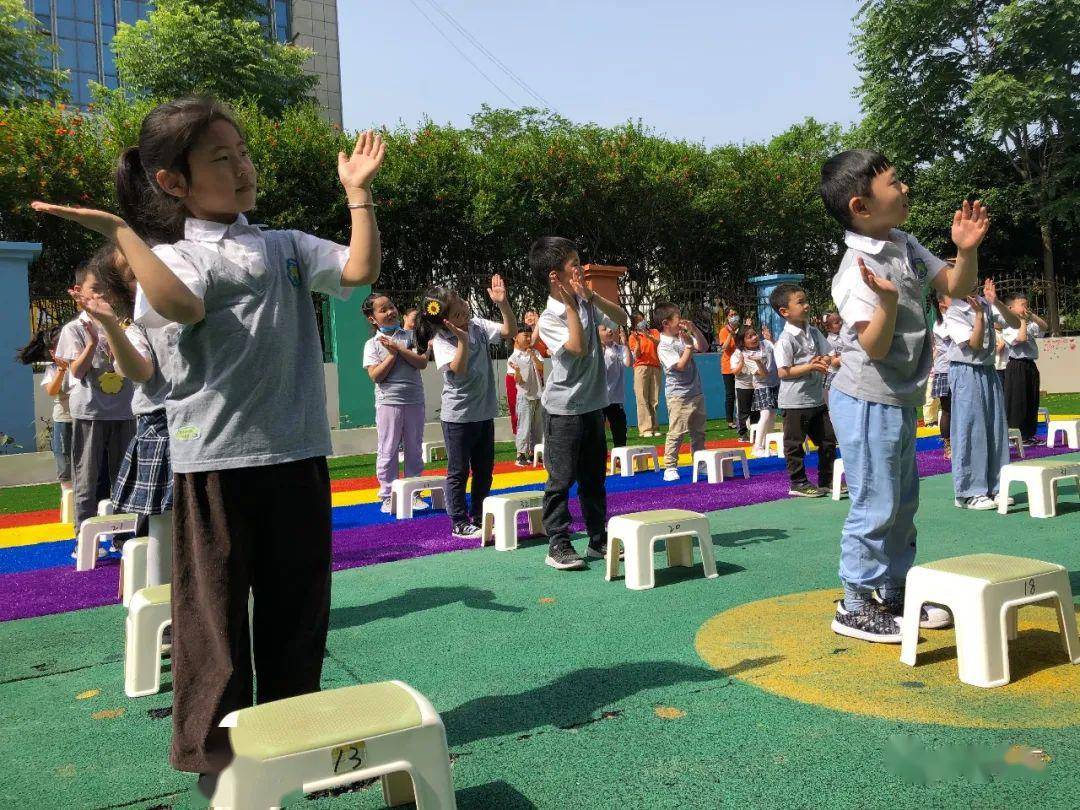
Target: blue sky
(713, 72)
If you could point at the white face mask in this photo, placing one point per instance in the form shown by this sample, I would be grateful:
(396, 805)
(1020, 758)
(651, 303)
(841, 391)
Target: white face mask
(733, 320)
(642, 325)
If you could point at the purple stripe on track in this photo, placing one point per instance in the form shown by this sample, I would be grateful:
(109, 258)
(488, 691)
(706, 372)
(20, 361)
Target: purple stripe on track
(58, 590)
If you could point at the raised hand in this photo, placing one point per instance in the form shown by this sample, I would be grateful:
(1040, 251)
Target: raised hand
(975, 304)
(578, 285)
(990, 291)
(562, 292)
(497, 291)
(882, 286)
(970, 224)
(98, 308)
(358, 169)
(391, 346)
(99, 221)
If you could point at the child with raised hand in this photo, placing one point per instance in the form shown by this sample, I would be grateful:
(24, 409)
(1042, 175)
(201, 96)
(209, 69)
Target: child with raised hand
(979, 432)
(527, 369)
(833, 325)
(746, 342)
(617, 359)
(574, 399)
(100, 398)
(939, 372)
(1022, 374)
(394, 366)
(679, 341)
(766, 391)
(57, 385)
(246, 408)
(879, 290)
(803, 359)
(460, 345)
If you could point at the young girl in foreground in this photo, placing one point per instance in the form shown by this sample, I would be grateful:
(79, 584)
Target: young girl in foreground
(246, 408)
(469, 406)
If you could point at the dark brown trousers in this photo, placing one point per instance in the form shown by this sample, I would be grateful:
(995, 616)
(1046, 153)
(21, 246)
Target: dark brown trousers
(260, 529)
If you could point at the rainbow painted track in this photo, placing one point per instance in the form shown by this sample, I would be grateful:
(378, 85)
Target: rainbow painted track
(562, 689)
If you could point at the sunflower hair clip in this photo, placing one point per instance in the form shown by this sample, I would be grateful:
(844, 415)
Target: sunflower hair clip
(433, 307)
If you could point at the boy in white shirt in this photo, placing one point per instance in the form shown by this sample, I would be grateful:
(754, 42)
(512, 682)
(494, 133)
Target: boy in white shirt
(679, 340)
(1022, 374)
(527, 369)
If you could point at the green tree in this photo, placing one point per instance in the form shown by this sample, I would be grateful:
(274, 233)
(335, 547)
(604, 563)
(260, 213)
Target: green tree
(211, 47)
(22, 44)
(946, 79)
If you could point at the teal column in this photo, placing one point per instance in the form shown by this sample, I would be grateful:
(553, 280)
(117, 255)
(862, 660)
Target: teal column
(16, 380)
(765, 285)
(356, 392)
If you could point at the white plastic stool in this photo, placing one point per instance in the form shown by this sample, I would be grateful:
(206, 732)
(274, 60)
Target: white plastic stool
(1041, 477)
(626, 457)
(837, 479)
(67, 504)
(92, 529)
(754, 433)
(105, 507)
(402, 491)
(430, 449)
(718, 463)
(133, 567)
(334, 738)
(983, 592)
(500, 517)
(1016, 441)
(1070, 427)
(777, 438)
(638, 533)
(149, 613)
(538, 453)
(1044, 413)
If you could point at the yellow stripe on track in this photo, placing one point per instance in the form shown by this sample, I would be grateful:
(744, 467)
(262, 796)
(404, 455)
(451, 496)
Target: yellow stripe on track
(39, 533)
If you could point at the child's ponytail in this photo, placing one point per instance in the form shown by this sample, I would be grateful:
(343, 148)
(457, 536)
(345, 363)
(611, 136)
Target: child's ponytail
(166, 138)
(433, 309)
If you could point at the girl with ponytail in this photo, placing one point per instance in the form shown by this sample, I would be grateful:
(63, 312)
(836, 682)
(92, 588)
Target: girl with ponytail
(245, 408)
(460, 346)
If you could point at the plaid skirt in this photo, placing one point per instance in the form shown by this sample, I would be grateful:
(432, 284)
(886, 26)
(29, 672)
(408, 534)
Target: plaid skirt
(144, 485)
(765, 399)
(940, 386)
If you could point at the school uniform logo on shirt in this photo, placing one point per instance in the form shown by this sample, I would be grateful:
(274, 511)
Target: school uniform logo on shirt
(187, 433)
(292, 270)
(110, 382)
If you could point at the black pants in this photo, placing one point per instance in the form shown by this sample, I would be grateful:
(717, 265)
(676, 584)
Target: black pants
(469, 446)
(616, 419)
(1022, 396)
(944, 419)
(260, 529)
(747, 415)
(729, 396)
(815, 423)
(574, 450)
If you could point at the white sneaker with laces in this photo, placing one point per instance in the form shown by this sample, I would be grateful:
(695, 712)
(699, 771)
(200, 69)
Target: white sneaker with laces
(385, 508)
(671, 474)
(419, 504)
(980, 503)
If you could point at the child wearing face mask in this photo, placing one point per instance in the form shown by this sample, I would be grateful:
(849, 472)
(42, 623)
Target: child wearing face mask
(643, 343)
(726, 336)
(394, 366)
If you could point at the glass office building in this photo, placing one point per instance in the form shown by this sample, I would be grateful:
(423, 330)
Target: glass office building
(83, 31)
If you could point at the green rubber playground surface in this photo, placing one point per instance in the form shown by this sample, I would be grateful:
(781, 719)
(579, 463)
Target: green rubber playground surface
(561, 690)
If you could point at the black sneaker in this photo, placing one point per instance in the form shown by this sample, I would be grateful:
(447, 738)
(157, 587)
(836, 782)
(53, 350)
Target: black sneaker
(564, 558)
(805, 490)
(467, 530)
(596, 552)
(931, 617)
(521, 461)
(1032, 442)
(870, 623)
(827, 490)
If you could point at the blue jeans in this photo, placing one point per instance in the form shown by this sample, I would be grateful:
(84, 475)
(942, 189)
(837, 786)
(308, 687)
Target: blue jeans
(877, 443)
(980, 434)
(61, 450)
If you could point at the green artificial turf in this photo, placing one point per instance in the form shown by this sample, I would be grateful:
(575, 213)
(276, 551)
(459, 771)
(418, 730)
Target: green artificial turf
(549, 683)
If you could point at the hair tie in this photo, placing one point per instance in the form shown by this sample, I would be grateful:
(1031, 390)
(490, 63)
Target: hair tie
(432, 307)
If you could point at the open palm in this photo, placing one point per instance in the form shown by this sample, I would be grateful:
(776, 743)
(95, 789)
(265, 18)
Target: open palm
(970, 224)
(359, 169)
(100, 221)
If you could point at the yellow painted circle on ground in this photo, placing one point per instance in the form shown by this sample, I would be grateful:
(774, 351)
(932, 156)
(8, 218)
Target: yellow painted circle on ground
(784, 646)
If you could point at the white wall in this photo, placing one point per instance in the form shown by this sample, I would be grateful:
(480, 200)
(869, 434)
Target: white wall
(1059, 364)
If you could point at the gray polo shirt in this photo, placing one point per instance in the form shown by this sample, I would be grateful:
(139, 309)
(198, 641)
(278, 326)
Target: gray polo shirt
(576, 385)
(402, 384)
(900, 377)
(102, 394)
(685, 384)
(615, 373)
(942, 344)
(794, 347)
(468, 397)
(246, 382)
(959, 322)
(153, 345)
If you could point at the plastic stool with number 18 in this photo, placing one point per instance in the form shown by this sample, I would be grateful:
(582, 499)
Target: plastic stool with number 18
(639, 532)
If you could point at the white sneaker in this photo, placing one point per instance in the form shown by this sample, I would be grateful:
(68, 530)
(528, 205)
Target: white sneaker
(419, 504)
(385, 508)
(980, 503)
(671, 474)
